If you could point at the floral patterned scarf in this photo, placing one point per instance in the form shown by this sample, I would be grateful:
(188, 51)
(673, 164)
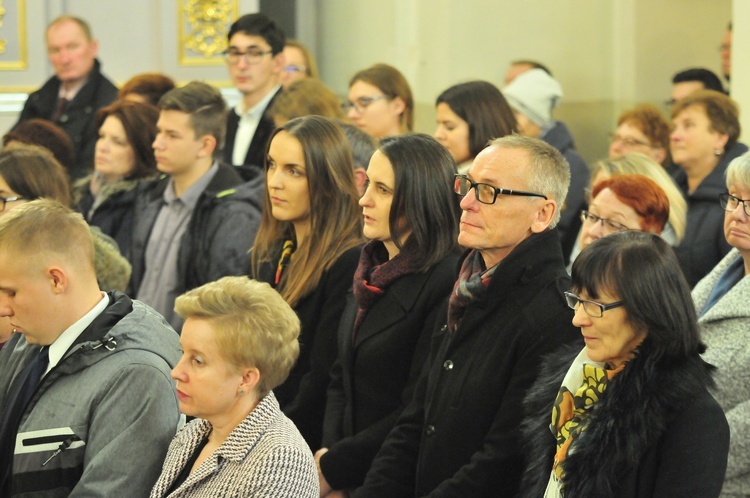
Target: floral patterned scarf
(581, 389)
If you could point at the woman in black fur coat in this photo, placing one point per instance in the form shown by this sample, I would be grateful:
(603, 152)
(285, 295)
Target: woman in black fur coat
(630, 415)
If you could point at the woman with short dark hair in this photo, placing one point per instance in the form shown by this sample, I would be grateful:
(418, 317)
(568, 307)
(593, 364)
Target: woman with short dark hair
(630, 414)
(405, 271)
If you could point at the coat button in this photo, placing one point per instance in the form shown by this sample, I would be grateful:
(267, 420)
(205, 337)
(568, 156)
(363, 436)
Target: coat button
(448, 365)
(64, 118)
(429, 430)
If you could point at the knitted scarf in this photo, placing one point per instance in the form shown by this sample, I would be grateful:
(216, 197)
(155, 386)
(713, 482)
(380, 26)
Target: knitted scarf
(581, 389)
(473, 279)
(375, 273)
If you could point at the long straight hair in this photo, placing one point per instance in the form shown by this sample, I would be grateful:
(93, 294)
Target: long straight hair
(335, 220)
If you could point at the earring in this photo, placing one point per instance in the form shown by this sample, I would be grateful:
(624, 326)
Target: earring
(241, 392)
(718, 152)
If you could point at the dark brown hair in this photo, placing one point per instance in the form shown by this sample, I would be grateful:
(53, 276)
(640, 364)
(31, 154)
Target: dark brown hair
(139, 122)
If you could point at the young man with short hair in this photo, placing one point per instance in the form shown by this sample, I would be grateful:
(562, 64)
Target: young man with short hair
(88, 405)
(196, 223)
(255, 60)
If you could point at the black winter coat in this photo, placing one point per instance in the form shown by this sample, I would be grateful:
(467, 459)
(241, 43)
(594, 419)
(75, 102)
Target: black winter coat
(375, 375)
(704, 243)
(459, 436)
(656, 432)
(77, 118)
(220, 233)
(302, 396)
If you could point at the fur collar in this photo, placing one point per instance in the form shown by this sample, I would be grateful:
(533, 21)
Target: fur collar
(634, 411)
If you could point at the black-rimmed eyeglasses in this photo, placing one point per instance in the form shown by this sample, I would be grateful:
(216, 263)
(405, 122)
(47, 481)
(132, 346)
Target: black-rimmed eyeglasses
(592, 308)
(250, 56)
(5, 200)
(729, 203)
(486, 193)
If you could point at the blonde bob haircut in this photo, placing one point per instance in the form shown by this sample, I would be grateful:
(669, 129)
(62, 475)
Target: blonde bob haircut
(253, 325)
(635, 163)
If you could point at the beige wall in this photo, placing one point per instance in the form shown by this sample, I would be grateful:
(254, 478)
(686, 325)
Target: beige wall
(606, 54)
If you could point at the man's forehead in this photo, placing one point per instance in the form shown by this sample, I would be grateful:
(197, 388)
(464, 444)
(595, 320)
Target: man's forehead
(246, 40)
(64, 30)
(499, 162)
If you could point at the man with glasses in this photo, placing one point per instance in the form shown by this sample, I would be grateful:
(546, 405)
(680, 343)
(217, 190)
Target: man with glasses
(459, 435)
(255, 60)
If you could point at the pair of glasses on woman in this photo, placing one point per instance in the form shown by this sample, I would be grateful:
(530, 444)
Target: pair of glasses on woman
(486, 193)
(362, 103)
(610, 226)
(294, 68)
(592, 308)
(729, 203)
(5, 200)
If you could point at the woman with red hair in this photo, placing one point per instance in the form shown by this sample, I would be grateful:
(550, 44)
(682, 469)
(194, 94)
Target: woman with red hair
(625, 202)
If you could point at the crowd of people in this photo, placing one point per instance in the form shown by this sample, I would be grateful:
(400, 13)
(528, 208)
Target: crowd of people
(302, 297)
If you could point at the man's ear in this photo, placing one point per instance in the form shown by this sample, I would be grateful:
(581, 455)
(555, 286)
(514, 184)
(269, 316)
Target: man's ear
(544, 216)
(208, 145)
(58, 279)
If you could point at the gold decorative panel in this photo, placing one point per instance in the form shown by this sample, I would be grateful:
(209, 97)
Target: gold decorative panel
(13, 35)
(203, 30)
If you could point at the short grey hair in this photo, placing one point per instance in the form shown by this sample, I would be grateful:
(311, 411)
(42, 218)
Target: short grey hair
(549, 172)
(738, 172)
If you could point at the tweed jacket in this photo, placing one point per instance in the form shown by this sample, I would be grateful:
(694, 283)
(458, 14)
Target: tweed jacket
(725, 329)
(655, 432)
(264, 456)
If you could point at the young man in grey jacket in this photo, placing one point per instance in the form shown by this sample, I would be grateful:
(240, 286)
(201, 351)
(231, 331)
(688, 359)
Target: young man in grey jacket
(88, 405)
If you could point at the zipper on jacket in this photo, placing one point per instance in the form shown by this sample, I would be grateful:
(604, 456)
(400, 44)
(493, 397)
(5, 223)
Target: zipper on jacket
(63, 446)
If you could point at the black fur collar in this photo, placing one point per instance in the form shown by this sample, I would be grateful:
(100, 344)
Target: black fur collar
(631, 416)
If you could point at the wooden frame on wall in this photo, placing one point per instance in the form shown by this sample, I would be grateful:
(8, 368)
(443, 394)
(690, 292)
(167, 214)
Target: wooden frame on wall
(203, 27)
(13, 53)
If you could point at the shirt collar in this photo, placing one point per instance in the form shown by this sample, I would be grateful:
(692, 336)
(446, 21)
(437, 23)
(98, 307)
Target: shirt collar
(258, 109)
(190, 196)
(58, 348)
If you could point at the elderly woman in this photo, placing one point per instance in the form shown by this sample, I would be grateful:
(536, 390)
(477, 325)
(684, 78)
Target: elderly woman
(704, 141)
(626, 202)
(630, 414)
(239, 341)
(641, 129)
(635, 163)
(724, 318)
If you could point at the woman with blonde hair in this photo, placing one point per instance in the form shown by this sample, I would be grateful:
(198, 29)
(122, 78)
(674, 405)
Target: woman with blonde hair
(303, 98)
(308, 248)
(299, 64)
(239, 342)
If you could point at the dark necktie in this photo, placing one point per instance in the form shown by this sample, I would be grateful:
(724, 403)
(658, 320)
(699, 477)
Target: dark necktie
(61, 103)
(18, 396)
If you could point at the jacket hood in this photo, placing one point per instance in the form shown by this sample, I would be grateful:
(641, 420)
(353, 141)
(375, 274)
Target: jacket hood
(124, 325)
(559, 137)
(715, 183)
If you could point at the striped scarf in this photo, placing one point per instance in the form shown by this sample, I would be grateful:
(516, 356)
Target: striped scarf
(473, 279)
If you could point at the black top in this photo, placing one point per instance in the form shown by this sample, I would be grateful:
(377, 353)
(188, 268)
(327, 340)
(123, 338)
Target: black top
(188, 467)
